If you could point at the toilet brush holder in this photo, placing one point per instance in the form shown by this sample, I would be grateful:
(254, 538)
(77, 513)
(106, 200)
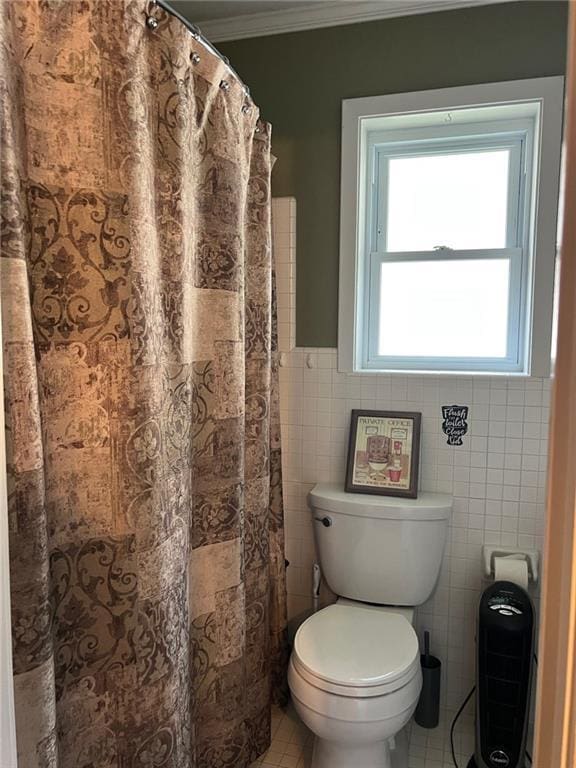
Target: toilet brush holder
(427, 712)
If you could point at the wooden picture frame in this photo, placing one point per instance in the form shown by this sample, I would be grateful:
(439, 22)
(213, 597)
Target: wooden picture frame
(384, 453)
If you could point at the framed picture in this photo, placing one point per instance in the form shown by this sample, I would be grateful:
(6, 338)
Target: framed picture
(384, 453)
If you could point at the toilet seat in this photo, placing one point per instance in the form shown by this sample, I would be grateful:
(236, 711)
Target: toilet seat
(356, 651)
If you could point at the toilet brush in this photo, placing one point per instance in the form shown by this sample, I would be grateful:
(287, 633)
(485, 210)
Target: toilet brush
(427, 712)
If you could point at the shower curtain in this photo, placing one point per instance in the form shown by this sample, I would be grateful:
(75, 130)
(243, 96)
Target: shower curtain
(146, 533)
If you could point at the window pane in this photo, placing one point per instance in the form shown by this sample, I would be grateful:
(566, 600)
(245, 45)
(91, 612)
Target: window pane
(458, 200)
(444, 308)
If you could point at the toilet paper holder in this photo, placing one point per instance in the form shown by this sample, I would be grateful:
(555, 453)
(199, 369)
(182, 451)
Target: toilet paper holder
(531, 556)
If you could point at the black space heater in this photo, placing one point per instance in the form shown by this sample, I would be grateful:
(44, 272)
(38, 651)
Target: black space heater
(505, 640)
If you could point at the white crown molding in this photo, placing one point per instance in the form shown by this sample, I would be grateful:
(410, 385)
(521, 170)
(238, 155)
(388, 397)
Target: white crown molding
(325, 14)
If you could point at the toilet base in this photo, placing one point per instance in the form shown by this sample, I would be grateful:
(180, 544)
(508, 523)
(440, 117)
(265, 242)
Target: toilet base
(336, 754)
(393, 753)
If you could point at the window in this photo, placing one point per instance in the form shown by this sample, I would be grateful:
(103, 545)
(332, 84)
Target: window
(448, 229)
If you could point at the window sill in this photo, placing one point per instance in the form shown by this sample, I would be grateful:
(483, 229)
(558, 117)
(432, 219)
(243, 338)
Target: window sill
(444, 374)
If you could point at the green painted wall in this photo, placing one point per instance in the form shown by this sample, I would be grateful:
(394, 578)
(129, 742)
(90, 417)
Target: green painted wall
(298, 80)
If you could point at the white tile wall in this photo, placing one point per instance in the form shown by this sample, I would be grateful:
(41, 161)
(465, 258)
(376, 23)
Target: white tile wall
(497, 479)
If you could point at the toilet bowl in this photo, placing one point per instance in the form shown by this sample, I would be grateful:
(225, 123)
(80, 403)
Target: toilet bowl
(355, 679)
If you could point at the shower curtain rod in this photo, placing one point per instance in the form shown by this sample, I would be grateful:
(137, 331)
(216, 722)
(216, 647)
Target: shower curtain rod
(197, 35)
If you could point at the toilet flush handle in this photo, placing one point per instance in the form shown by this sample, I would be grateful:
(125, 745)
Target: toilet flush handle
(326, 521)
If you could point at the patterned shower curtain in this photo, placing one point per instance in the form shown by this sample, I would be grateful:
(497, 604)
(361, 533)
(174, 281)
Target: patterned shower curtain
(146, 533)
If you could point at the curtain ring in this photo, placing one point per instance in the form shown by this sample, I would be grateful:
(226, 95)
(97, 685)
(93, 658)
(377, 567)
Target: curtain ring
(246, 109)
(224, 85)
(195, 32)
(195, 58)
(151, 22)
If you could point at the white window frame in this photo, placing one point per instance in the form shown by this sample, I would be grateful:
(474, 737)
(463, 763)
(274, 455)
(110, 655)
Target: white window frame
(533, 254)
(514, 135)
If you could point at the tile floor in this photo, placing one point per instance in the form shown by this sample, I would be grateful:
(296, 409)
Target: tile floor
(291, 742)
(430, 748)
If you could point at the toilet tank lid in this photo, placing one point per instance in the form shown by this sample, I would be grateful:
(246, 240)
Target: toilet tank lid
(331, 497)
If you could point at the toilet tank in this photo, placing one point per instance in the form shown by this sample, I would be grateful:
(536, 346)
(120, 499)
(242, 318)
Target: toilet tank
(379, 549)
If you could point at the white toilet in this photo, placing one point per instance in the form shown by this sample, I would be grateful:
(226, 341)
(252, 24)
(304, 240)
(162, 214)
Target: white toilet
(355, 671)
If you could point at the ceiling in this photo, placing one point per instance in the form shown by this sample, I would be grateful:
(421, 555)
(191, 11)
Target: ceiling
(203, 10)
(237, 19)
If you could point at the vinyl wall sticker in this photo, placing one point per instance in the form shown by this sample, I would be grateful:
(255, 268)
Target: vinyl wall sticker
(455, 424)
